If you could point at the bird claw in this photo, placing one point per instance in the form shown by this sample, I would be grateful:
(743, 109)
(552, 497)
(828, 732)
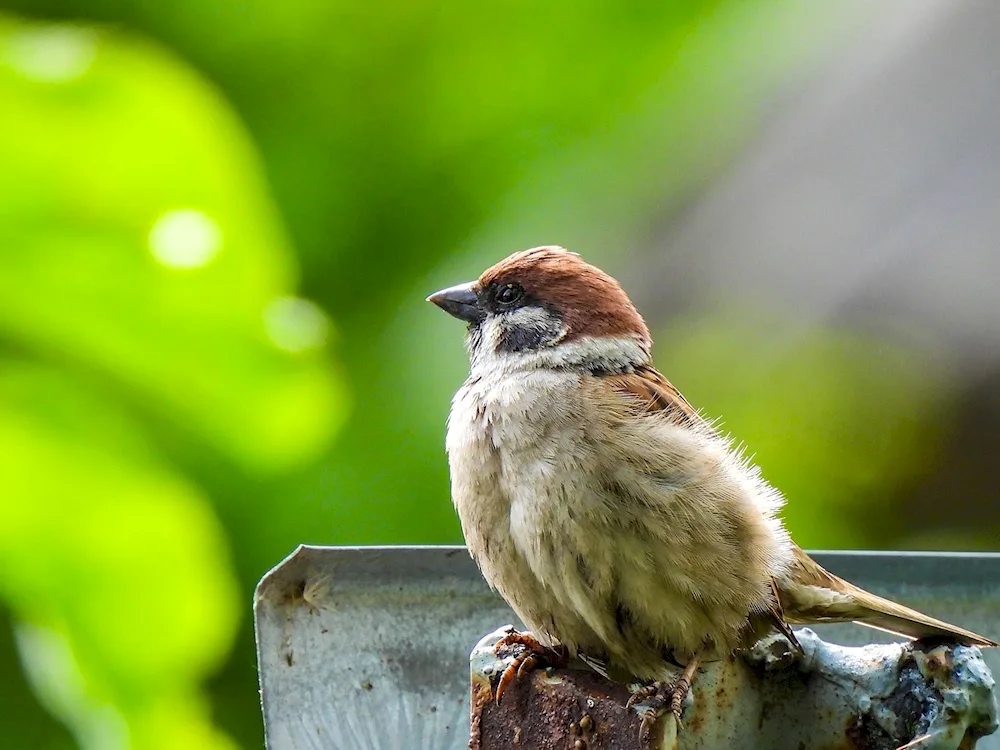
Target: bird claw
(641, 694)
(528, 662)
(529, 654)
(662, 698)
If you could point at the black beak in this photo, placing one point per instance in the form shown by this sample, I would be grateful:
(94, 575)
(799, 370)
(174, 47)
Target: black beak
(459, 301)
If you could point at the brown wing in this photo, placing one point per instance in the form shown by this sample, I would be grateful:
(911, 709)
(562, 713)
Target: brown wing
(654, 393)
(810, 594)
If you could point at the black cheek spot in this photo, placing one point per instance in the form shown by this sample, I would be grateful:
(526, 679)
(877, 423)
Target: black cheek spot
(518, 339)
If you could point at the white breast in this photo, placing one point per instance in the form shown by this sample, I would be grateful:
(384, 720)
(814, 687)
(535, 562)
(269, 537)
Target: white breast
(516, 454)
(536, 457)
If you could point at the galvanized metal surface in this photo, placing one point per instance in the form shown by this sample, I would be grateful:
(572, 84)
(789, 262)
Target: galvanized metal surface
(862, 698)
(367, 648)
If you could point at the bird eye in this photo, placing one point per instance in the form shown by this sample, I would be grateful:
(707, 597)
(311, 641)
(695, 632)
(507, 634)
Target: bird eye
(508, 294)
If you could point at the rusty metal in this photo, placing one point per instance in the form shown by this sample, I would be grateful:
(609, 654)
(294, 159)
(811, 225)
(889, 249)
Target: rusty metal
(573, 708)
(367, 649)
(863, 698)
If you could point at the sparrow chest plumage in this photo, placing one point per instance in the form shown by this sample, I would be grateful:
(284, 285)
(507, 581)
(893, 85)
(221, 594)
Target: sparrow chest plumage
(594, 526)
(505, 464)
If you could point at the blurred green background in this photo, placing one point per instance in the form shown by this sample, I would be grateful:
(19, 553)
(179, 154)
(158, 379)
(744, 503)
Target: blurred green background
(218, 223)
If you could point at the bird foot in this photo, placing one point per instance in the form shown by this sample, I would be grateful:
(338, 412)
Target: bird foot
(661, 698)
(529, 653)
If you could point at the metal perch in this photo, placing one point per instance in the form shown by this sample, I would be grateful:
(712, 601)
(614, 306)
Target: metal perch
(368, 649)
(874, 697)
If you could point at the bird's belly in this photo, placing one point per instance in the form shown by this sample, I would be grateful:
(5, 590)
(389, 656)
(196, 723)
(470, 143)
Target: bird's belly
(595, 554)
(607, 583)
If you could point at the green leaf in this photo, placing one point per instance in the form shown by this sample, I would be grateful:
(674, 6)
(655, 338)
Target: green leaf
(116, 561)
(146, 289)
(138, 241)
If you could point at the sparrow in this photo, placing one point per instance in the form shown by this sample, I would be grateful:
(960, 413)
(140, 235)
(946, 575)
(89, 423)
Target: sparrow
(616, 521)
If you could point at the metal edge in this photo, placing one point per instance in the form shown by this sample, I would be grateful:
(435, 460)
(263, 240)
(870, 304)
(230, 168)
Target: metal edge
(265, 593)
(452, 548)
(913, 567)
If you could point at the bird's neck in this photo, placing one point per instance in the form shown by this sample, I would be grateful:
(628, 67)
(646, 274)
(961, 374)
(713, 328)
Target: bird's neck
(607, 354)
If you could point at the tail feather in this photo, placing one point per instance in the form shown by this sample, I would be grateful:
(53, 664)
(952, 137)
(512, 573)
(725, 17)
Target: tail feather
(810, 594)
(886, 615)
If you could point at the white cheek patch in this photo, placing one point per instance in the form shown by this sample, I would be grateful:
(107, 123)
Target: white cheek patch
(520, 330)
(530, 317)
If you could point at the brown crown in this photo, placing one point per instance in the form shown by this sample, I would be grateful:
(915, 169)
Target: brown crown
(590, 302)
